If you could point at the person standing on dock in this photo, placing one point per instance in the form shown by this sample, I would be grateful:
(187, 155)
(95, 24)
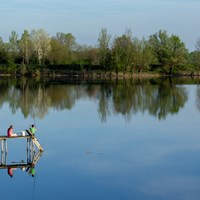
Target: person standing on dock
(10, 132)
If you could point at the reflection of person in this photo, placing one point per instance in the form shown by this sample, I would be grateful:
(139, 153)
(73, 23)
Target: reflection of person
(33, 129)
(10, 172)
(10, 132)
(32, 171)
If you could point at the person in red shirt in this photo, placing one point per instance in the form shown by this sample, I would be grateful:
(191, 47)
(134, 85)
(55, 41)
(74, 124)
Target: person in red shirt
(10, 132)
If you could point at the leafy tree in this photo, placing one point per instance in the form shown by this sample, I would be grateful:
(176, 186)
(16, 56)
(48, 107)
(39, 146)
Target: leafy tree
(92, 55)
(41, 44)
(67, 39)
(142, 55)
(69, 43)
(86, 55)
(170, 51)
(159, 43)
(177, 53)
(122, 53)
(4, 56)
(103, 45)
(13, 45)
(197, 54)
(58, 52)
(25, 47)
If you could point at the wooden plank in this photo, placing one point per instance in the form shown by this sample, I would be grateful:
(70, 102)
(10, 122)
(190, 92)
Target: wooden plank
(15, 166)
(35, 141)
(26, 136)
(36, 158)
(14, 137)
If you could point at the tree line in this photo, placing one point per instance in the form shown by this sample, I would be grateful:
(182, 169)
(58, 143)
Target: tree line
(36, 50)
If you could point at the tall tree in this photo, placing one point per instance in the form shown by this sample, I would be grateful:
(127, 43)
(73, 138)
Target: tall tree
(69, 43)
(58, 53)
(142, 55)
(159, 42)
(25, 46)
(103, 44)
(177, 53)
(4, 57)
(41, 44)
(122, 53)
(13, 45)
(170, 51)
(197, 54)
(67, 39)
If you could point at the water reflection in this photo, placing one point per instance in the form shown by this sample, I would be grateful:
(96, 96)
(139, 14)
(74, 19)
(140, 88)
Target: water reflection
(144, 159)
(32, 157)
(28, 167)
(198, 98)
(159, 97)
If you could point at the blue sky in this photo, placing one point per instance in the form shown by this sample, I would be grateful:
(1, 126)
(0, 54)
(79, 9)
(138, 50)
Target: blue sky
(85, 18)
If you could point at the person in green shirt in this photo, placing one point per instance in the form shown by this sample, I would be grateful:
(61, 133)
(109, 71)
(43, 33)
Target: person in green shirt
(33, 129)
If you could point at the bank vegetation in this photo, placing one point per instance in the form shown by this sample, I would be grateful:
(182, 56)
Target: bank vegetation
(36, 53)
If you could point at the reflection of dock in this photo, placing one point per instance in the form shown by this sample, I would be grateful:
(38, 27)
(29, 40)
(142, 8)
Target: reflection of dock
(29, 163)
(29, 166)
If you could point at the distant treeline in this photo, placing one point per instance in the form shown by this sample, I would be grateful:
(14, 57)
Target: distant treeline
(35, 52)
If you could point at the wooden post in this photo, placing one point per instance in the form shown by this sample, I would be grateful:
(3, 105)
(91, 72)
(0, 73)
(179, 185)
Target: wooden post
(32, 150)
(37, 144)
(4, 151)
(6, 147)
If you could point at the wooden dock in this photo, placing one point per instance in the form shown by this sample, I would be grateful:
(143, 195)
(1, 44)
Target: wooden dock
(28, 137)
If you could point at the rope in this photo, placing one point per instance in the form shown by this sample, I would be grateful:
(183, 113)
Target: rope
(34, 117)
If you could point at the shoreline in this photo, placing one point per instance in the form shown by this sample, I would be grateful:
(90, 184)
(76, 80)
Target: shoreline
(98, 75)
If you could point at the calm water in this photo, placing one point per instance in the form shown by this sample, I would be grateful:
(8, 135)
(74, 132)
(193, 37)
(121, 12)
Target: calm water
(109, 140)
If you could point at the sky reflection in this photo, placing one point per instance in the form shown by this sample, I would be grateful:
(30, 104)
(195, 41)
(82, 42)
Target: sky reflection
(143, 158)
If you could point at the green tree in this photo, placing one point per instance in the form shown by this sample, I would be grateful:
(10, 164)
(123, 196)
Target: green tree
(58, 53)
(196, 54)
(13, 45)
(4, 56)
(67, 39)
(122, 53)
(103, 45)
(170, 51)
(142, 55)
(69, 43)
(25, 47)
(177, 53)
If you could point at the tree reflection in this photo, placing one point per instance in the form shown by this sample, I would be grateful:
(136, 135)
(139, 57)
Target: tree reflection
(198, 98)
(159, 100)
(126, 97)
(167, 98)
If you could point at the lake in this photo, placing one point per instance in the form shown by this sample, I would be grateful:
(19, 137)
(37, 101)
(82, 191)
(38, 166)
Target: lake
(102, 139)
